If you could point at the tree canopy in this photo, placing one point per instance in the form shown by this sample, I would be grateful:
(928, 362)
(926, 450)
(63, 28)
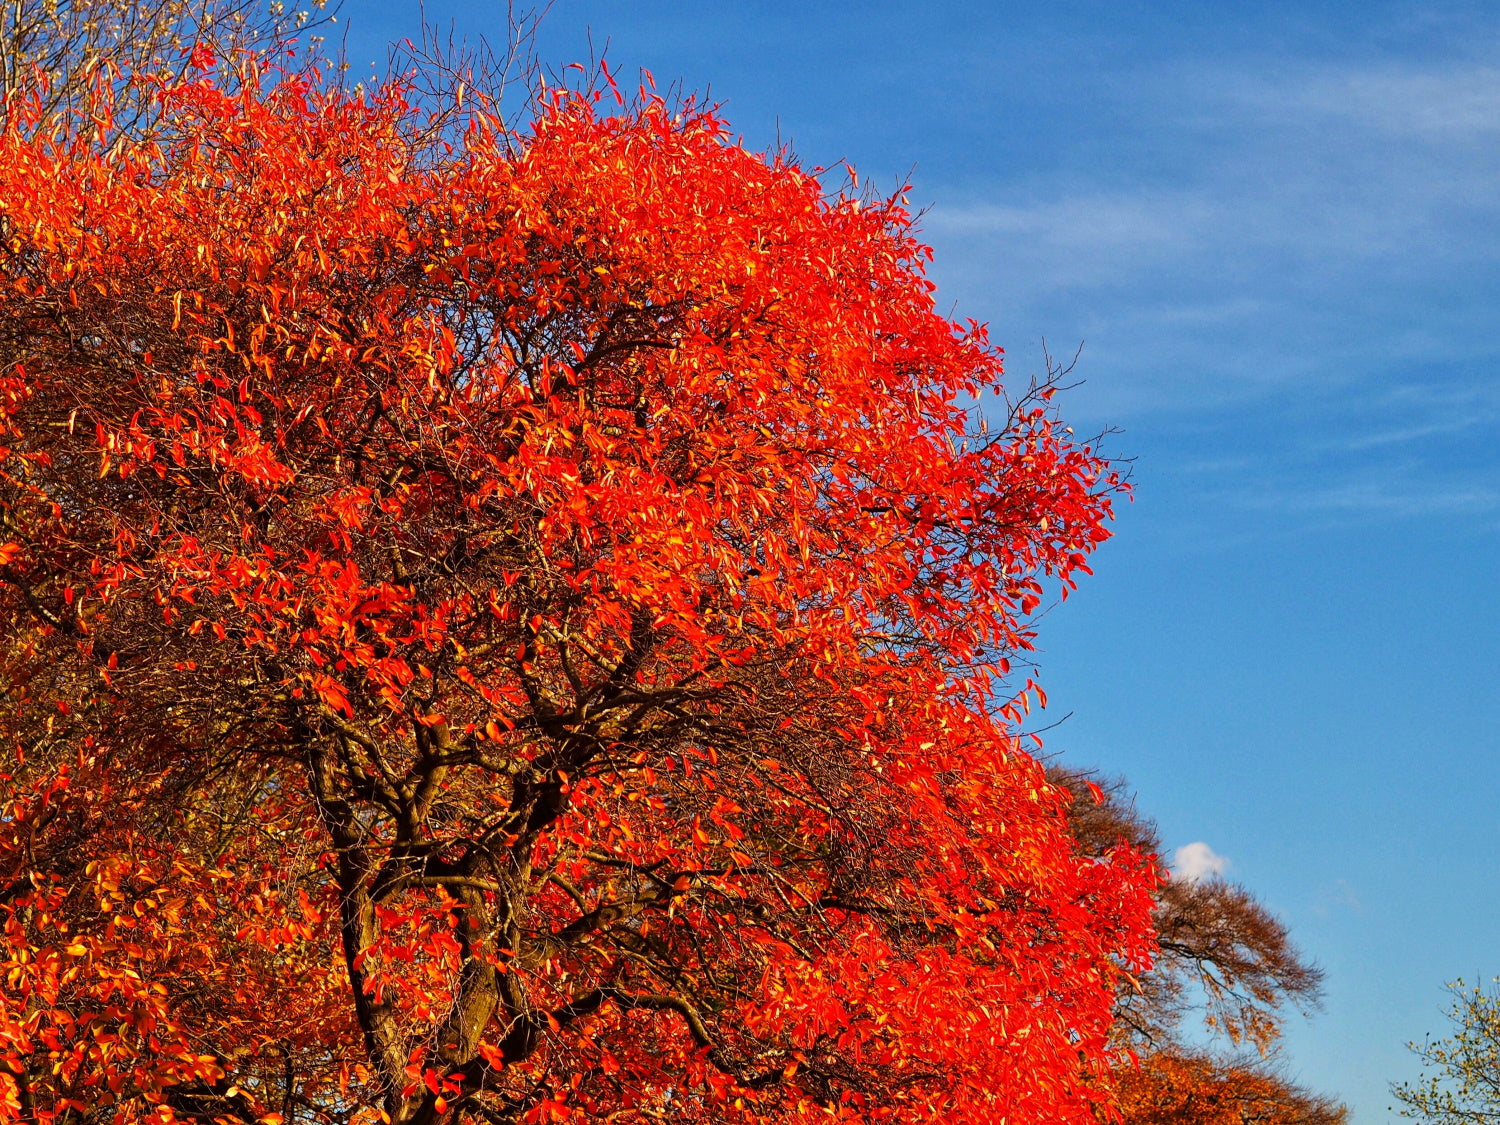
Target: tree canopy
(518, 632)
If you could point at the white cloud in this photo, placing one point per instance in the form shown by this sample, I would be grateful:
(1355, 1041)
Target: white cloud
(1197, 861)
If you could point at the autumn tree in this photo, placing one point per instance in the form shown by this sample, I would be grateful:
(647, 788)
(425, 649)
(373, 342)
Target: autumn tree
(1460, 1083)
(1177, 1087)
(57, 52)
(520, 634)
(1221, 955)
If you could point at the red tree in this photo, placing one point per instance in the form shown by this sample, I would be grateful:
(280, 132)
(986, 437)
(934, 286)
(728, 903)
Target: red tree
(513, 634)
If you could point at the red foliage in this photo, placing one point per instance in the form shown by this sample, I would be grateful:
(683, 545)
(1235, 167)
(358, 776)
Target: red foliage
(514, 633)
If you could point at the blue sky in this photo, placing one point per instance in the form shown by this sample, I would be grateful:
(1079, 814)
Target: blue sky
(1276, 229)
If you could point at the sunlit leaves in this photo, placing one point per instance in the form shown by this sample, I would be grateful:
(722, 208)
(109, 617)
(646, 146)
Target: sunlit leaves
(531, 624)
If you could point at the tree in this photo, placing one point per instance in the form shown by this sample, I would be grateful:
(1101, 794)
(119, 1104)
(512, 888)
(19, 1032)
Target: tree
(59, 51)
(1176, 1087)
(518, 634)
(1219, 949)
(1463, 1084)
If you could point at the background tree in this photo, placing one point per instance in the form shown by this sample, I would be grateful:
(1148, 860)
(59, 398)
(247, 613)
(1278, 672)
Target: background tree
(1220, 951)
(1461, 1071)
(518, 635)
(52, 50)
(1173, 1086)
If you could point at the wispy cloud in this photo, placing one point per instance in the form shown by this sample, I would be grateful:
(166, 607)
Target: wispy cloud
(1197, 861)
(1325, 221)
(1158, 221)
(1440, 105)
(1379, 498)
(1406, 434)
(1337, 897)
(1300, 259)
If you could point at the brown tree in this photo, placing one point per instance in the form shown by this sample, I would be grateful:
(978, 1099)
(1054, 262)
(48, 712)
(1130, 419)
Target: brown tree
(1222, 953)
(1180, 1087)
